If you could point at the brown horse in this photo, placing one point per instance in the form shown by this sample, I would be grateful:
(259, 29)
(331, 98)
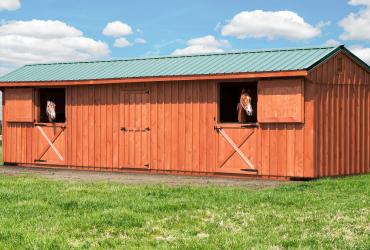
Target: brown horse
(244, 107)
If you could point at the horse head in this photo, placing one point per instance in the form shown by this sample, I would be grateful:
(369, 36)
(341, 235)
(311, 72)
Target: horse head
(246, 102)
(50, 111)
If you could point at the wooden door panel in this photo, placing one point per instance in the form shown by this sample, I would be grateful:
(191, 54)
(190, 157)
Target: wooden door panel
(19, 105)
(229, 160)
(281, 101)
(51, 145)
(135, 129)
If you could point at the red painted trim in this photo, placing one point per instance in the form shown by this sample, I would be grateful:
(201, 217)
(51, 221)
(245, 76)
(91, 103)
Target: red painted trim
(295, 73)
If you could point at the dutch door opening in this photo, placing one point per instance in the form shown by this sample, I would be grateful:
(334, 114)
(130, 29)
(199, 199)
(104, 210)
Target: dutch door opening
(52, 105)
(238, 102)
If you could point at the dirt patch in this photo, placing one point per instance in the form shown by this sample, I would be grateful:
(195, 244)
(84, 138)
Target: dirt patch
(137, 178)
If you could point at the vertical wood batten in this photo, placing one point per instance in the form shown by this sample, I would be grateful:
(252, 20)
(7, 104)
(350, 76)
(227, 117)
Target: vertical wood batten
(309, 127)
(181, 127)
(97, 160)
(188, 126)
(153, 127)
(174, 125)
(85, 127)
(195, 126)
(116, 128)
(211, 158)
(103, 122)
(160, 127)
(73, 125)
(78, 127)
(203, 127)
(90, 128)
(167, 152)
(109, 135)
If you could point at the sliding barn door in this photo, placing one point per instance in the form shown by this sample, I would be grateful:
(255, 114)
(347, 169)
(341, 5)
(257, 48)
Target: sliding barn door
(135, 130)
(237, 150)
(51, 144)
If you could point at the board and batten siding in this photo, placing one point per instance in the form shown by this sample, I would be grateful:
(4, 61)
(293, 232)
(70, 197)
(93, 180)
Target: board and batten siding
(182, 119)
(342, 117)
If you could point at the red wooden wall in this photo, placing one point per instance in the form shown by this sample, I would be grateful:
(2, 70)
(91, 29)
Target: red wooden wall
(182, 135)
(342, 117)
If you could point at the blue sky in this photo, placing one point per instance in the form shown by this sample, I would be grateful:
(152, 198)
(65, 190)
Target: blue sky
(69, 30)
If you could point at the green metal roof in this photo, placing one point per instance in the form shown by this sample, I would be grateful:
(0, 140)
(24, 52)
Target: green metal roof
(273, 60)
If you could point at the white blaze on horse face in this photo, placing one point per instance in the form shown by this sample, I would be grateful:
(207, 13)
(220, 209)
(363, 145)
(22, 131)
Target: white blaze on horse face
(246, 102)
(249, 109)
(50, 111)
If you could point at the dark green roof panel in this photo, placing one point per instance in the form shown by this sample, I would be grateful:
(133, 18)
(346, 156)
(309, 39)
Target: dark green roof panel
(222, 63)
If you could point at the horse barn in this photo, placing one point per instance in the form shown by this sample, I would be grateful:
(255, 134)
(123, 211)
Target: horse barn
(309, 114)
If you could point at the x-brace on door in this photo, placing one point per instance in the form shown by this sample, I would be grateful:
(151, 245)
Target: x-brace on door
(237, 150)
(51, 144)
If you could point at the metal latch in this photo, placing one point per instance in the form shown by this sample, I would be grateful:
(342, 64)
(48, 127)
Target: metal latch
(40, 161)
(123, 129)
(249, 170)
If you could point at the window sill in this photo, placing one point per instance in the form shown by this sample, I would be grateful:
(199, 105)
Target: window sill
(237, 125)
(46, 124)
(20, 121)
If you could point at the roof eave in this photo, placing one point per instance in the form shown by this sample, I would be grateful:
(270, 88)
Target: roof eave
(357, 59)
(250, 75)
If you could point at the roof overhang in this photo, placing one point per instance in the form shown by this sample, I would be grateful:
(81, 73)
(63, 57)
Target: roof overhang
(234, 76)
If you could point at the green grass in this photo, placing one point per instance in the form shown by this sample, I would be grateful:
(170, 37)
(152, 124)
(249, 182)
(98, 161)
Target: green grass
(46, 214)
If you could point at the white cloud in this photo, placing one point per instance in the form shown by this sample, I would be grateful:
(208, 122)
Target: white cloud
(271, 25)
(121, 42)
(323, 24)
(332, 42)
(117, 29)
(206, 44)
(359, 2)
(356, 26)
(361, 52)
(37, 41)
(9, 5)
(39, 29)
(140, 41)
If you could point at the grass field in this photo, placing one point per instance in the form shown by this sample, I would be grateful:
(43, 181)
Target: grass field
(41, 213)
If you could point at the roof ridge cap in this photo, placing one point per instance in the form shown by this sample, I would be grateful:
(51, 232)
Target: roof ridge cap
(185, 56)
